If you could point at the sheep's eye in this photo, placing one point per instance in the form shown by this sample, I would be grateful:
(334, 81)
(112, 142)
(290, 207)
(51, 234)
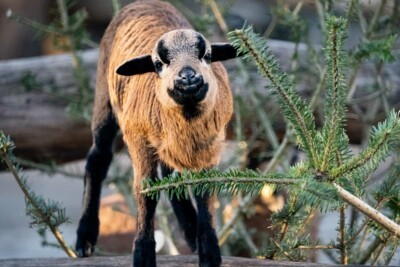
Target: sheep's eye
(158, 65)
(207, 57)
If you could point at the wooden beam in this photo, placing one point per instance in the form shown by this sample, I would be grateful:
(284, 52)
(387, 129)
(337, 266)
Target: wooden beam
(164, 261)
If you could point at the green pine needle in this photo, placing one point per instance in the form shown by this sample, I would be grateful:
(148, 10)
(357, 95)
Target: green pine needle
(214, 181)
(295, 110)
(384, 134)
(335, 109)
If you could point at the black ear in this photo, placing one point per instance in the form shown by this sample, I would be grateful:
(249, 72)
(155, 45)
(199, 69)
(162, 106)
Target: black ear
(223, 51)
(137, 65)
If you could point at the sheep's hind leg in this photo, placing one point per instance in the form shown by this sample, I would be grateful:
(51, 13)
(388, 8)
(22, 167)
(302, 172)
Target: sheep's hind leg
(98, 161)
(185, 213)
(207, 241)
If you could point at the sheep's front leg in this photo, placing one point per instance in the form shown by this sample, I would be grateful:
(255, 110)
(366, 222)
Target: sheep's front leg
(144, 252)
(207, 241)
(185, 213)
(145, 167)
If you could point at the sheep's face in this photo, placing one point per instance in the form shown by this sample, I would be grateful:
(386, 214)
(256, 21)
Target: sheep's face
(182, 59)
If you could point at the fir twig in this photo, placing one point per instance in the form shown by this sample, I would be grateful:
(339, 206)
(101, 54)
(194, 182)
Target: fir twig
(319, 247)
(342, 237)
(369, 211)
(295, 109)
(6, 146)
(335, 101)
(381, 137)
(215, 181)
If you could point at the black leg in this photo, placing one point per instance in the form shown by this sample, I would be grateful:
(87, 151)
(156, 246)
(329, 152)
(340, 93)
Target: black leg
(185, 213)
(98, 161)
(144, 167)
(207, 242)
(144, 252)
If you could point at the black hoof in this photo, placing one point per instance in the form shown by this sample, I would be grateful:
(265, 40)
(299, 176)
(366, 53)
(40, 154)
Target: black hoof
(208, 250)
(144, 253)
(84, 250)
(87, 233)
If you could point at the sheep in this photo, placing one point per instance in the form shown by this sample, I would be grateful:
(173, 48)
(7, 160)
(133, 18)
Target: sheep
(159, 83)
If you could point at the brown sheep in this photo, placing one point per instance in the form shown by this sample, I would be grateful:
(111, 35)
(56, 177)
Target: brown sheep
(172, 106)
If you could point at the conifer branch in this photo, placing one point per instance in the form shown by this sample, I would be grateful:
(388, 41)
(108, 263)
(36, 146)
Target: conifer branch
(35, 206)
(224, 232)
(215, 181)
(295, 109)
(335, 99)
(318, 247)
(369, 211)
(381, 136)
(342, 236)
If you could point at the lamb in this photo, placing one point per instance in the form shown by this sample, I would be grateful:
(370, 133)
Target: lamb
(158, 83)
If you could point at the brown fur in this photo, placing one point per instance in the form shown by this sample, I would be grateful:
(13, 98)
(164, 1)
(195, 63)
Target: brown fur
(155, 128)
(180, 143)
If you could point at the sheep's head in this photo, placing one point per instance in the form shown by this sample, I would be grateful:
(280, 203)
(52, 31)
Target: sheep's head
(182, 59)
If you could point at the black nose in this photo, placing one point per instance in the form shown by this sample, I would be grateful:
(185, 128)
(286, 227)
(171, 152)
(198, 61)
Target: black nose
(188, 79)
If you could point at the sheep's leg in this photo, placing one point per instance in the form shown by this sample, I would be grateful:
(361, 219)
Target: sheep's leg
(145, 167)
(98, 161)
(144, 252)
(185, 213)
(207, 241)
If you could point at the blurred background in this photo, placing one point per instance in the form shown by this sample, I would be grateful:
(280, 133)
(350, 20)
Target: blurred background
(52, 132)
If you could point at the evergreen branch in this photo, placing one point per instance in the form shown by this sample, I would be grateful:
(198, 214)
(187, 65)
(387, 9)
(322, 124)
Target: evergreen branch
(381, 49)
(296, 111)
(342, 238)
(369, 211)
(38, 205)
(225, 231)
(378, 147)
(214, 181)
(335, 94)
(319, 247)
(282, 250)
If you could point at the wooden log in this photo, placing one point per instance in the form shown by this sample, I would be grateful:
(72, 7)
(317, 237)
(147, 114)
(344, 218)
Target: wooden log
(36, 118)
(41, 129)
(164, 261)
